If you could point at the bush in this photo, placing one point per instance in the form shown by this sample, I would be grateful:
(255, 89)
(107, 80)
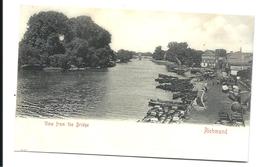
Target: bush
(124, 55)
(60, 60)
(28, 55)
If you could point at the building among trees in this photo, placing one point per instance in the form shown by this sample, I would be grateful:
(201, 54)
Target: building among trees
(209, 59)
(239, 61)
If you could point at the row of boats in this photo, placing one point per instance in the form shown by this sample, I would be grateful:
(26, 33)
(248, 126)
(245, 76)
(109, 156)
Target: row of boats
(182, 91)
(163, 111)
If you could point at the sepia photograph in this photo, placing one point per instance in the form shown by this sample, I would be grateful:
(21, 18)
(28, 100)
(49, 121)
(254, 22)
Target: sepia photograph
(143, 66)
(129, 82)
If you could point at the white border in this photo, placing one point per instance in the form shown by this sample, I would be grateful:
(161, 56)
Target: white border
(11, 26)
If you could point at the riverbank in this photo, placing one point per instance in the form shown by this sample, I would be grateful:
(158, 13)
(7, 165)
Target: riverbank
(187, 91)
(58, 69)
(207, 106)
(217, 102)
(164, 62)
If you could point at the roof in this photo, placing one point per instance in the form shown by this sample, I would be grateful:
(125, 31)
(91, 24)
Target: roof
(239, 58)
(208, 53)
(240, 54)
(239, 64)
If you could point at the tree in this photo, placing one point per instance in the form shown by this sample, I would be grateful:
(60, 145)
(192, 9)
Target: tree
(113, 56)
(105, 55)
(176, 52)
(81, 55)
(195, 59)
(60, 60)
(54, 45)
(43, 25)
(42, 37)
(83, 27)
(124, 55)
(91, 42)
(28, 55)
(78, 52)
(52, 37)
(245, 74)
(158, 53)
(183, 55)
(148, 54)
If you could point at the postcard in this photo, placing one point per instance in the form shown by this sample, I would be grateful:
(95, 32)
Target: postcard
(134, 83)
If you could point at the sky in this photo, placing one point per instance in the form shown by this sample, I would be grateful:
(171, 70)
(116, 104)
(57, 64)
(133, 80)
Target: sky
(143, 30)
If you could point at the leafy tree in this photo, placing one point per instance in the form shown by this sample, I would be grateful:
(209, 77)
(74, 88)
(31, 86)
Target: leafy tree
(183, 55)
(83, 27)
(245, 74)
(93, 59)
(176, 52)
(59, 60)
(41, 39)
(43, 25)
(91, 42)
(78, 51)
(194, 59)
(52, 37)
(158, 54)
(113, 55)
(148, 54)
(124, 55)
(28, 55)
(54, 45)
(105, 55)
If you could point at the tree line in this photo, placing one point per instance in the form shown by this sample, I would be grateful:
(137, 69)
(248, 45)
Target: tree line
(53, 39)
(181, 53)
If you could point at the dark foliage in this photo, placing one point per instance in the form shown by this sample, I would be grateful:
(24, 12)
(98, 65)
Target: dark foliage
(158, 53)
(124, 55)
(52, 39)
(183, 55)
(245, 74)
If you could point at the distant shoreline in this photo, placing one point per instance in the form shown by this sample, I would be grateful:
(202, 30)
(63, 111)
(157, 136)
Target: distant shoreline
(50, 68)
(163, 62)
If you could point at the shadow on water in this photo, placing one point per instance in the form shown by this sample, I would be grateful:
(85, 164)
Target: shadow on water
(121, 92)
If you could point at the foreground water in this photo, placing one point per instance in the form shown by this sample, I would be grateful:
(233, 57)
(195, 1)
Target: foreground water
(121, 92)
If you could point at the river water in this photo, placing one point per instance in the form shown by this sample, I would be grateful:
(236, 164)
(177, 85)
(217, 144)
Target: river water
(121, 92)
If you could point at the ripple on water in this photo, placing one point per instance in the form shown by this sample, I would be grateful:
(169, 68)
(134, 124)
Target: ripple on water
(121, 92)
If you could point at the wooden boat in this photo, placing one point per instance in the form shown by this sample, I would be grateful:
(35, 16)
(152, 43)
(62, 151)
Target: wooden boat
(165, 80)
(164, 103)
(166, 76)
(195, 70)
(153, 102)
(178, 70)
(176, 95)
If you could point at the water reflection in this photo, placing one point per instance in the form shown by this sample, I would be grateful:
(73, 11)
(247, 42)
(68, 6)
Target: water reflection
(121, 92)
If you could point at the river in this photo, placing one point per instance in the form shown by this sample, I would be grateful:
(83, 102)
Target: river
(121, 92)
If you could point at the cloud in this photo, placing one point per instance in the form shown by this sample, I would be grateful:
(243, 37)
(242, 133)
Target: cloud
(144, 30)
